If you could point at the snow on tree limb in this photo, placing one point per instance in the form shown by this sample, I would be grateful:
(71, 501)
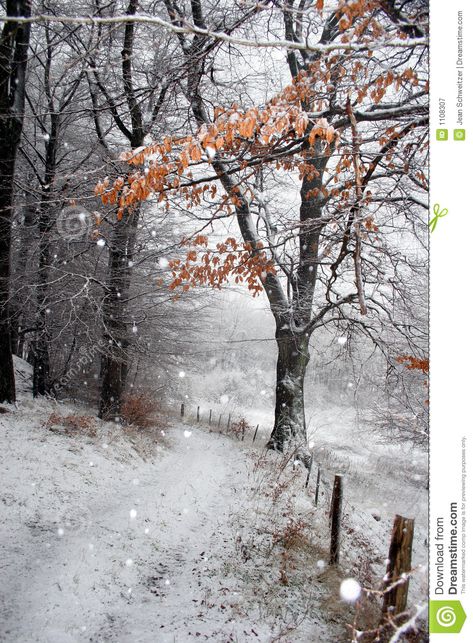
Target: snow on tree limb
(188, 28)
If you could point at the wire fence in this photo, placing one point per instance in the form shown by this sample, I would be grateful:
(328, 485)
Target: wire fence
(329, 492)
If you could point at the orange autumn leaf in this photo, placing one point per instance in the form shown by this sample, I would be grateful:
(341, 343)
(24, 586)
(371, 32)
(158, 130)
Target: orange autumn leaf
(414, 363)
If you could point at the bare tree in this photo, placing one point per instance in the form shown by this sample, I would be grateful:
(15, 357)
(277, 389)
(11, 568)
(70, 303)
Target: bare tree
(13, 60)
(359, 156)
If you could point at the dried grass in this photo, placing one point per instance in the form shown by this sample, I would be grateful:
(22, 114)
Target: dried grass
(140, 410)
(72, 424)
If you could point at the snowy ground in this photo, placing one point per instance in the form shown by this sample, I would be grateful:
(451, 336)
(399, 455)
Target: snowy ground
(100, 544)
(175, 534)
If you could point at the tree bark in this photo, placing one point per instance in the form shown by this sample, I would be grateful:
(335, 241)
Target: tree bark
(41, 363)
(27, 235)
(115, 359)
(289, 414)
(14, 42)
(7, 169)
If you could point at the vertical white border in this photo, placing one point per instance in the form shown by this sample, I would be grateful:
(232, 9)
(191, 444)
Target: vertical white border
(451, 261)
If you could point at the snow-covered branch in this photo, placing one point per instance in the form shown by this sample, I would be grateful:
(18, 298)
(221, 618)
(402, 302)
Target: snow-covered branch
(188, 28)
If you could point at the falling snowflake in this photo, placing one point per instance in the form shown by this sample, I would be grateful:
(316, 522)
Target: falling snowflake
(350, 590)
(133, 514)
(182, 374)
(342, 340)
(187, 434)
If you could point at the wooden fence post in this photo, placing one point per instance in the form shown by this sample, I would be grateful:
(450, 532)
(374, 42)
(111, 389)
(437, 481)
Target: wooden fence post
(182, 410)
(399, 563)
(210, 417)
(228, 423)
(310, 469)
(219, 420)
(198, 414)
(336, 513)
(317, 487)
(256, 432)
(243, 434)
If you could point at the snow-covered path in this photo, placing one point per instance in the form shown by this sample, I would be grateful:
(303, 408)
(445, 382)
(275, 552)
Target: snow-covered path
(141, 554)
(136, 537)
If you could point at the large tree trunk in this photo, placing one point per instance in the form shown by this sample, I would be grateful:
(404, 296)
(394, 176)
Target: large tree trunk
(14, 42)
(7, 169)
(289, 416)
(115, 359)
(41, 364)
(26, 237)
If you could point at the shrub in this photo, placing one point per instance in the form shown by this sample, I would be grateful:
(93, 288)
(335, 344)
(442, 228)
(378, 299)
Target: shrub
(139, 410)
(293, 535)
(240, 428)
(71, 424)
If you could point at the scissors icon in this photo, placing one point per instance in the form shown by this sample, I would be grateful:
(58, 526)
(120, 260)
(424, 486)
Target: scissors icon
(438, 214)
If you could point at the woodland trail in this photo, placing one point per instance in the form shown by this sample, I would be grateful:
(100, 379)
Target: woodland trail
(146, 563)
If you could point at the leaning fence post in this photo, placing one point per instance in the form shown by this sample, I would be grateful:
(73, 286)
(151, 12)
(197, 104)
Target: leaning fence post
(198, 414)
(317, 487)
(256, 432)
(398, 566)
(182, 410)
(243, 434)
(309, 470)
(336, 513)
